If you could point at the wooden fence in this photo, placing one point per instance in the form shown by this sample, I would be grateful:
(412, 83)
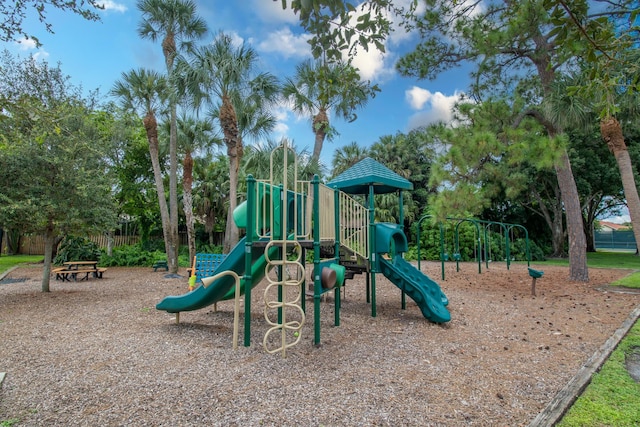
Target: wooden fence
(34, 245)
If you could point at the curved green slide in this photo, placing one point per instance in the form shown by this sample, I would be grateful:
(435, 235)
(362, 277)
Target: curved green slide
(390, 239)
(424, 291)
(222, 288)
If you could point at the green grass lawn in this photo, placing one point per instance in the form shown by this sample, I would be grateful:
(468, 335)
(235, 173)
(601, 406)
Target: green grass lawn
(8, 261)
(613, 397)
(624, 260)
(603, 260)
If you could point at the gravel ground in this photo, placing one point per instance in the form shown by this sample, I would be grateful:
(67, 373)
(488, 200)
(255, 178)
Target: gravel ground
(98, 353)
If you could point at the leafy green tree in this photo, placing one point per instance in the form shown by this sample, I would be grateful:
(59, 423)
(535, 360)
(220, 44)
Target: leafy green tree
(174, 22)
(338, 26)
(224, 77)
(606, 40)
(409, 155)
(320, 88)
(506, 42)
(130, 162)
(13, 14)
(51, 152)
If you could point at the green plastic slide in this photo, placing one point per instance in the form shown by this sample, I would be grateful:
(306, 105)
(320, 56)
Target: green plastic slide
(424, 291)
(222, 288)
(390, 239)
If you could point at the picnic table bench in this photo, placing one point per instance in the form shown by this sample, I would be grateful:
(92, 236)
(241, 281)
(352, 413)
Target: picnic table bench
(160, 264)
(73, 270)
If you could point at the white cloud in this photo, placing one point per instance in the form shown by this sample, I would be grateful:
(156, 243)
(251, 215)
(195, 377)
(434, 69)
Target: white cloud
(26, 44)
(272, 12)
(438, 106)
(285, 43)
(111, 5)
(281, 115)
(373, 64)
(41, 54)
(236, 39)
(281, 130)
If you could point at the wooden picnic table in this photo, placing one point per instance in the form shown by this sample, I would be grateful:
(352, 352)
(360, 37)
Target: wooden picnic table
(72, 269)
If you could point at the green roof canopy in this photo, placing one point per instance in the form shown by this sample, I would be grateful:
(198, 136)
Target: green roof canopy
(367, 172)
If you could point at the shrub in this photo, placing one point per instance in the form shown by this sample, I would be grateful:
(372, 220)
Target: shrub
(77, 249)
(131, 256)
(137, 256)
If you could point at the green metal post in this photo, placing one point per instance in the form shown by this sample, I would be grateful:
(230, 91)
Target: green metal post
(303, 285)
(418, 242)
(251, 204)
(336, 250)
(403, 297)
(507, 241)
(456, 249)
(441, 249)
(368, 275)
(282, 231)
(487, 243)
(317, 286)
(372, 250)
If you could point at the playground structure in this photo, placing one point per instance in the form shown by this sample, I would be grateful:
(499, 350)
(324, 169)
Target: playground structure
(283, 220)
(482, 241)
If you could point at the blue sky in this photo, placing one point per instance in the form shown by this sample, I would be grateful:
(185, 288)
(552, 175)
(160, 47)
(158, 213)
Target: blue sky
(95, 54)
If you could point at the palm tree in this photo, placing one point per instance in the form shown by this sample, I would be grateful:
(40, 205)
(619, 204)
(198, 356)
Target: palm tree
(176, 23)
(319, 89)
(258, 162)
(144, 91)
(347, 156)
(212, 191)
(193, 135)
(241, 104)
(568, 109)
(611, 132)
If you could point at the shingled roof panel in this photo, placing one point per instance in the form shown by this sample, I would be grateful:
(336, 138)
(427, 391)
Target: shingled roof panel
(368, 172)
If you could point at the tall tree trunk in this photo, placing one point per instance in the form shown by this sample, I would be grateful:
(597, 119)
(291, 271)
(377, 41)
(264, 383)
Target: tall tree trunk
(13, 241)
(577, 241)
(173, 192)
(553, 217)
(110, 243)
(578, 270)
(320, 125)
(151, 128)
(590, 208)
(229, 124)
(187, 200)
(588, 233)
(612, 134)
(49, 240)
(169, 50)
(210, 220)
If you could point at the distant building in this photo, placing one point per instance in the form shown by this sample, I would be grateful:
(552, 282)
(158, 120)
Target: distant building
(614, 236)
(611, 226)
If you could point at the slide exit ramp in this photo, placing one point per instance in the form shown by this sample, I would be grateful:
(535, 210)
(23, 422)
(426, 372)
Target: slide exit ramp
(420, 288)
(222, 288)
